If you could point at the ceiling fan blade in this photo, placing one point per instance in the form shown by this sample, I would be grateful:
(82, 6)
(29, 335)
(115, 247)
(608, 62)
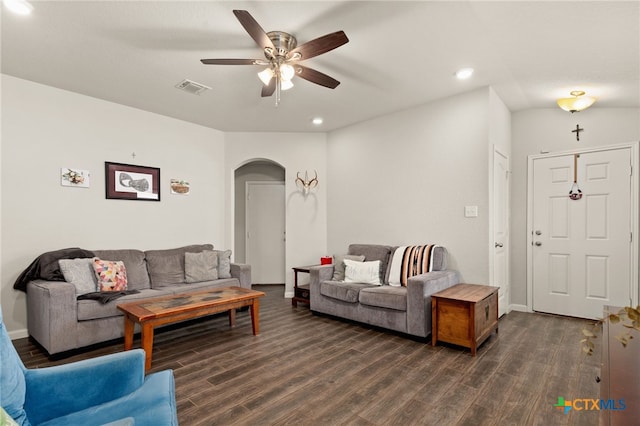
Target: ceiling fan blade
(254, 29)
(316, 77)
(268, 90)
(230, 61)
(318, 46)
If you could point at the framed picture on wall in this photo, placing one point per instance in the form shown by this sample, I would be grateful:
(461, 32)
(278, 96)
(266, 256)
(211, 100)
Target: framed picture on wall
(131, 182)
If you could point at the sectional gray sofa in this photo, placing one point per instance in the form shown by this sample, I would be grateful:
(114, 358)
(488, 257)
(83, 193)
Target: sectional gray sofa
(404, 308)
(60, 321)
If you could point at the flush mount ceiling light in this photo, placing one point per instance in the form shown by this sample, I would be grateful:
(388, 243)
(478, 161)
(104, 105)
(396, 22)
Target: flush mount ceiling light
(464, 73)
(577, 103)
(20, 7)
(317, 121)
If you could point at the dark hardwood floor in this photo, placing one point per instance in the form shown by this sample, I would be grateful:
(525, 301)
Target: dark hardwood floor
(306, 369)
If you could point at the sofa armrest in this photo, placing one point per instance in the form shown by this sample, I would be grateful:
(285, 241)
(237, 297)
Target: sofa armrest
(242, 272)
(318, 274)
(52, 314)
(419, 291)
(53, 392)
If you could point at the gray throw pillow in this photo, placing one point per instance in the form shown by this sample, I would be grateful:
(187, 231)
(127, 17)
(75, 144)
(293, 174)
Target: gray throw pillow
(338, 264)
(201, 266)
(80, 273)
(224, 263)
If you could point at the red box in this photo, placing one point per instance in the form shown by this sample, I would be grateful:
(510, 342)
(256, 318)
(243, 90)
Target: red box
(326, 260)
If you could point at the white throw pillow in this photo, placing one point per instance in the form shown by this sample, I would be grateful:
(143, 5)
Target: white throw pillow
(362, 272)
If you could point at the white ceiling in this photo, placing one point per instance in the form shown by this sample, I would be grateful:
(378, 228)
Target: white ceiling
(400, 54)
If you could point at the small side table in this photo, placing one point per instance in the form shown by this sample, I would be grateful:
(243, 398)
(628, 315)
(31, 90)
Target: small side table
(300, 292)
(464, 315)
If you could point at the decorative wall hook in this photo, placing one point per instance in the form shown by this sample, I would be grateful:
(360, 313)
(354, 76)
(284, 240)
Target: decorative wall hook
(307, 183)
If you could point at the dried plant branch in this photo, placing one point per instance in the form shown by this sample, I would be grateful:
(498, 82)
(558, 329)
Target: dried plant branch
(628, 317)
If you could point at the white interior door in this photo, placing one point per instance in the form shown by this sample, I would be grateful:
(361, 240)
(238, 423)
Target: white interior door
(581, 252)
(500, 276)
(265, 226)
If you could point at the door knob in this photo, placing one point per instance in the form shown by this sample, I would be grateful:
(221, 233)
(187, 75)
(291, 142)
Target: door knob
(497, 245)
(538, 232)
(538, 243)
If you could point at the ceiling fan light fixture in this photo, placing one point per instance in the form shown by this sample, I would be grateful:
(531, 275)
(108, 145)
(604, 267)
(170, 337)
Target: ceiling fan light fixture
(265, 76)
(286, 72)
(577, 103)
(286, 84)
(20, 7)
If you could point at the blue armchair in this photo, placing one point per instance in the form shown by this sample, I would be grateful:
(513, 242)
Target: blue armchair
(111, 389)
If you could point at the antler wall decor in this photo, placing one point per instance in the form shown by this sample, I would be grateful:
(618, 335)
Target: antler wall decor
(307, 183)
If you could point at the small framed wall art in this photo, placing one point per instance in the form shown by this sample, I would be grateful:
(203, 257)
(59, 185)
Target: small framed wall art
(131, 182)
(75, 177)
(179, 186)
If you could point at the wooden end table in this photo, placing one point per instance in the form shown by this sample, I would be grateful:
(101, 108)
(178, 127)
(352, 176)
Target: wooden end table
(464, 315)
(150, 313)
(300, 292)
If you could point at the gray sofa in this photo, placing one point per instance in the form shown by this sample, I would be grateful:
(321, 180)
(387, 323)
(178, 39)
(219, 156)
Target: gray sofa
(59, 321)
(406, 309)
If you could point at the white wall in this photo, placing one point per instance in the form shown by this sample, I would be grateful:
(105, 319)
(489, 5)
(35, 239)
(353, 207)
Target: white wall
(549, 130)
(306, 217)
(45, 128)
(405, 178)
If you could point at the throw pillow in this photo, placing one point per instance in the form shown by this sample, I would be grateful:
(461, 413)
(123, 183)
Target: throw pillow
(80, 273)
(201, 266)
(338, 264)
(224, 263)
(111, 274)
(362, 272)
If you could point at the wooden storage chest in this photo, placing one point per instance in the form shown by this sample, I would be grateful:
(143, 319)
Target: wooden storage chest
(464, 315)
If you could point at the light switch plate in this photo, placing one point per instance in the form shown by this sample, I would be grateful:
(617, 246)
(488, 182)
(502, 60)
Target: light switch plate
(470, 211)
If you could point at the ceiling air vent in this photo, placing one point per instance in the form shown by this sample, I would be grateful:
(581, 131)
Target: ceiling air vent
(192, 87)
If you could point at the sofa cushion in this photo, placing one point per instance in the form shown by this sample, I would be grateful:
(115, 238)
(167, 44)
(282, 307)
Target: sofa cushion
(224, 263)
(80, 273)
(374, 252)
(338, 264)
(111, 274)
(166, 267)
(362, 272)
(201, 266)
(385, 297)
(134, 262)
(340, 290)
(91, 309)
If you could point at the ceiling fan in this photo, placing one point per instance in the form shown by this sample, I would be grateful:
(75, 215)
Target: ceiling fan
(283, 55)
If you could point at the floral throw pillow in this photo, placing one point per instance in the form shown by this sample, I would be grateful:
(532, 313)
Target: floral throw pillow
(111, 275)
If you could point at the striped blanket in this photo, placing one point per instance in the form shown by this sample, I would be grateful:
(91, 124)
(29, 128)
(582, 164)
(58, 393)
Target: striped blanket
(408, 261)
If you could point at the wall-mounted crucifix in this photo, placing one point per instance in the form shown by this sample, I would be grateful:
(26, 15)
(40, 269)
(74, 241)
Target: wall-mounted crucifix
(577, 132)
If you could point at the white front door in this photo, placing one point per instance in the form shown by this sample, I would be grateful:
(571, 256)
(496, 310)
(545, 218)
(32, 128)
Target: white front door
(265, 239)
(581, 249)
(501, 229)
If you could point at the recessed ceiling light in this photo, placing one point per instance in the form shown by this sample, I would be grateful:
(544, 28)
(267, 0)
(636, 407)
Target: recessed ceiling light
(317, 121)
(20, 7)
(464, 73)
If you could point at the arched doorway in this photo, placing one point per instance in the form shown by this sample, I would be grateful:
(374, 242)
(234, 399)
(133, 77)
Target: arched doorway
(260, 220)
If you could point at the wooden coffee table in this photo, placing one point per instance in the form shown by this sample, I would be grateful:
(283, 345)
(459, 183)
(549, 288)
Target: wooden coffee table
(150, 313)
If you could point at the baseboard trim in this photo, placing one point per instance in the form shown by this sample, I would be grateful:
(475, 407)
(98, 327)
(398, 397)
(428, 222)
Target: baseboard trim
(288, 294)
(18, 334)
(519, 308)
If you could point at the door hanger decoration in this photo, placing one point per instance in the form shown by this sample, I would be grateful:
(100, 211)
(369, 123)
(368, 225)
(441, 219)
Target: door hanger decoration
(575, 193)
